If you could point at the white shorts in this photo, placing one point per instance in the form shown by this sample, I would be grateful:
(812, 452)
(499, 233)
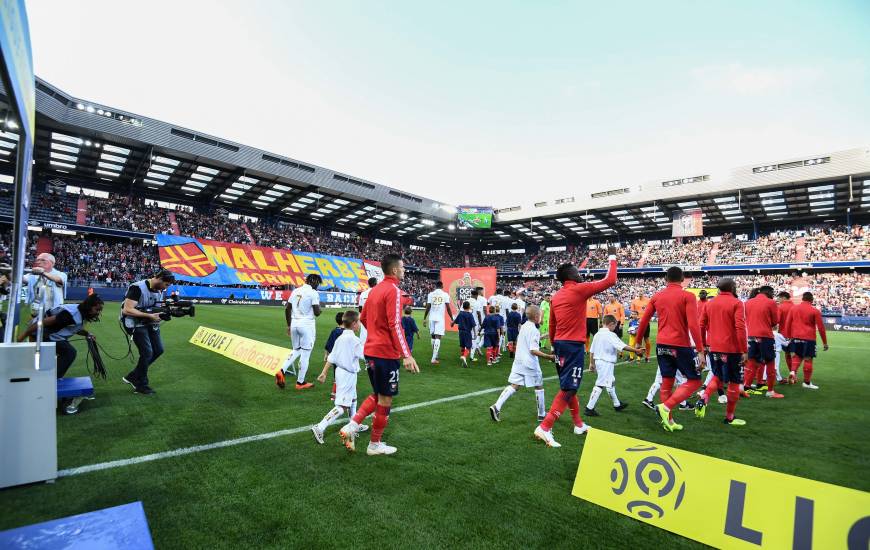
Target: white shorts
(526, 378)
(604, 369)
(345, 388)
(436, 325)
(679, 377)
(302, 337)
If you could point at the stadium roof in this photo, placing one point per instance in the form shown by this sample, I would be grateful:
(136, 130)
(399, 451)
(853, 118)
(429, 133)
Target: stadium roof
(92, 145)
(792, 192)
(83, 143)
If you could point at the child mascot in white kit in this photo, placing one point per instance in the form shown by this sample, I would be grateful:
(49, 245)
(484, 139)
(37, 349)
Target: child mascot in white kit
(602, 358)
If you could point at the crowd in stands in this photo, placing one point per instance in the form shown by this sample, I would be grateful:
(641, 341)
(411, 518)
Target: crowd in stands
(775, 247)
(54, 208)
(117, 261)
(130, 214)
(838, 243)
(108, 262)
(214, 226)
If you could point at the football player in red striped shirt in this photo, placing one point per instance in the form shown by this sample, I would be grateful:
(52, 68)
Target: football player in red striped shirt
(385, 351)
(762, 317)
(784, 303)
(568, 336)
(802, 323)
(723, 325)
(678, 319)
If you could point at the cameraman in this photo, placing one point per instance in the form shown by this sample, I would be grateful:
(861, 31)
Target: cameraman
(144, 327)
(63, 322)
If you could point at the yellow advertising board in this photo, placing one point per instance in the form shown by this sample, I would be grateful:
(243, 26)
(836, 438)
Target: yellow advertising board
(264, 357)
(717, 502)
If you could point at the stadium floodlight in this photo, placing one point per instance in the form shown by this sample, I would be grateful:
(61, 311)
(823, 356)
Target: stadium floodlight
(451, 227)
(88, 143)
(99, 111)
(11, 124)
(90, 108)
(428, 222)
(403, 216)
(80, 107)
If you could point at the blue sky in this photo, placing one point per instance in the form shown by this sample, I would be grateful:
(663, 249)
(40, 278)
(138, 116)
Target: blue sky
(481, 102)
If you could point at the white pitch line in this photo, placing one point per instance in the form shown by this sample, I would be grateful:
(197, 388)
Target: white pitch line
(249, 439)
(253, 438)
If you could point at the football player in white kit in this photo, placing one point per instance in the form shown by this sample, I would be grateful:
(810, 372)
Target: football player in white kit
(478, 310)
(436, 302)
(302, 307)
(361, 301)
(526, 370)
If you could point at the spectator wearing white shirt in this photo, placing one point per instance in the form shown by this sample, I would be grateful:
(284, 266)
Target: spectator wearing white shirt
(45, 284)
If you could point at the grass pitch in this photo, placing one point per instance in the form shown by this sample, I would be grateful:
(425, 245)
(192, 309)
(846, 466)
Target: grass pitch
(458, 479)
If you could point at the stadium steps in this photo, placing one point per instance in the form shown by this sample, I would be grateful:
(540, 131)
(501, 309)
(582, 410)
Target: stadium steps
(711, 258)
(82, 211)
(585, 261)
(800, 250)
(173, 223)
(531, 263)
(249, 234)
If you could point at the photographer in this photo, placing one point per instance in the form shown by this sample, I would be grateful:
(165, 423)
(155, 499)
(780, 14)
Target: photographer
(63, 322)
(144, 327)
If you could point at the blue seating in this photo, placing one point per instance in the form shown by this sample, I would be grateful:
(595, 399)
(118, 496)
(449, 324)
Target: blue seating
(122, 526)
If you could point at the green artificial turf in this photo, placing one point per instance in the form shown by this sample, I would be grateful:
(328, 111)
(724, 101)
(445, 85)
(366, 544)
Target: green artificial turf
(459, 479)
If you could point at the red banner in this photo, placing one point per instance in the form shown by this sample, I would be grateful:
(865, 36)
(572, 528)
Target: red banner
(460, 281)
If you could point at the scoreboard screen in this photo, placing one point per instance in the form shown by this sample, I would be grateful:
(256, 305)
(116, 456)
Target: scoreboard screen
(474, 217)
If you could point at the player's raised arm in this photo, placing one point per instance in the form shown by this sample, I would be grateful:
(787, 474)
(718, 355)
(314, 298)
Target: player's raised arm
(610, 279)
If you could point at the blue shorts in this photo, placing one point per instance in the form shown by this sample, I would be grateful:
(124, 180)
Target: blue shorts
(761, 349)
(512, 334)
(726, 367)
(465, 339)
(677, 358)
(490, 339)
(384, 375)
(570, 361)
(805, 349)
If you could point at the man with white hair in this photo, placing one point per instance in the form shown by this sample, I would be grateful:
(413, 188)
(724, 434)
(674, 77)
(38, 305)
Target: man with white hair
(51, 290)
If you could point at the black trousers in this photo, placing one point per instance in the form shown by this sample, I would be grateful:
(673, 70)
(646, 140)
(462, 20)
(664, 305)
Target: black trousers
(150, 346)
(66, 354)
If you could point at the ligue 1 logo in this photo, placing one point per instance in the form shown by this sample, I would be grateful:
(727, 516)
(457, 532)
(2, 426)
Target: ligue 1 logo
(651, 483)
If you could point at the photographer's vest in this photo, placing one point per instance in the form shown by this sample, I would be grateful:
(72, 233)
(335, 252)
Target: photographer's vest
(70, 330)
(148, 298)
